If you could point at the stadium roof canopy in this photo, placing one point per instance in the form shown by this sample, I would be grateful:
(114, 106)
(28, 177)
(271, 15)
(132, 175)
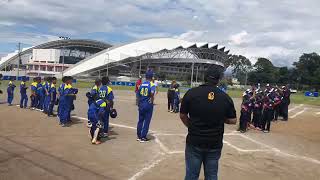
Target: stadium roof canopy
(150, 48)
(59, 44)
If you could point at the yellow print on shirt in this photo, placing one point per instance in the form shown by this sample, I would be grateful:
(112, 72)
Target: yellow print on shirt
(211, 96)
(144, 91)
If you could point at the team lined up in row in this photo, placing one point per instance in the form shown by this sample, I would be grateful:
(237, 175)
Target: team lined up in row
(44, 96)
(264, 106)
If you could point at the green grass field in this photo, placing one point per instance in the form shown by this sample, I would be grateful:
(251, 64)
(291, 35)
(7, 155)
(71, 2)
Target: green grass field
(297, 98)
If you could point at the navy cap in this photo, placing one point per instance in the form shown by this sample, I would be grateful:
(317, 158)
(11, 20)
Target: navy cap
(149, 74)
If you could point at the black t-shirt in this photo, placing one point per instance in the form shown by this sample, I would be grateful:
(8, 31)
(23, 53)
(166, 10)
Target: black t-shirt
(207, 107)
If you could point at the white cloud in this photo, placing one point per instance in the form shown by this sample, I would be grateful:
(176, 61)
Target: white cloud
(191, 35)
(239, 38)
(26, 38)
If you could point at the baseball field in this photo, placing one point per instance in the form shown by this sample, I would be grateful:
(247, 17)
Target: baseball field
(34, 146)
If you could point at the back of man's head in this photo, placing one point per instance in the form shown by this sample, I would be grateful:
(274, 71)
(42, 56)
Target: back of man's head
(97, 82)
(213, 74)
(105, 80)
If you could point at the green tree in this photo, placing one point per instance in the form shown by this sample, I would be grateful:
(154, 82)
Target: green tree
(264, 72)
(284, 75)
(241, 67)
(308, 68)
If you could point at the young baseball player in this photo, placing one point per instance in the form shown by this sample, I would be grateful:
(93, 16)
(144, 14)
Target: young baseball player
(105, 93)
(245, 113)
(96, 114)
(23, 93)
(176, 100)
(33, 95)
(40, 94)
(94, 92)
(67, 95)
(277, 102)
(52, 96)
(146, 98)
(46, 86)
(93, 95)
(10, 91)
(267, 113)
(257, 110)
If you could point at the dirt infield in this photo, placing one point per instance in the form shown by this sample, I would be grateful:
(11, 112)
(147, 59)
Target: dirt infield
(33, 146)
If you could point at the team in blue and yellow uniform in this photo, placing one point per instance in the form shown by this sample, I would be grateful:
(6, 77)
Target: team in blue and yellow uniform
(23, 93)
(93, 95)
(96, 113)
(105, 93)
(52, 91)
(46, 86)
(33, 95)
(146, 98)
(39, 99)
(66, 96)
(10, 91)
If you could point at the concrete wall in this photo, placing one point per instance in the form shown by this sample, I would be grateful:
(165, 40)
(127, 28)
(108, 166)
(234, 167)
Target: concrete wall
(48, 55)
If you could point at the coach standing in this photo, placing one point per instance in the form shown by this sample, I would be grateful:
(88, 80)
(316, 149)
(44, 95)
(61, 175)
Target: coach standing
(204, 110)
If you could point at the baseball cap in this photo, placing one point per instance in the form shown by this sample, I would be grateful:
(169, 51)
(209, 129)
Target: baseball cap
(149, 74)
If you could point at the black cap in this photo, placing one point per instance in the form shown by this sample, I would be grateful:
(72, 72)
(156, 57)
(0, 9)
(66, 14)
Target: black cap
(214, 73)
(105, 80)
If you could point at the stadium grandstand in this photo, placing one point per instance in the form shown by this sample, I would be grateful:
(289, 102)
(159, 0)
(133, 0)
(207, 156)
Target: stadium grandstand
(50, 58)
(86, 59)
(166, 56)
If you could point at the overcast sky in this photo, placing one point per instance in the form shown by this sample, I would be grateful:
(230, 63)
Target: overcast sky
(277, 29)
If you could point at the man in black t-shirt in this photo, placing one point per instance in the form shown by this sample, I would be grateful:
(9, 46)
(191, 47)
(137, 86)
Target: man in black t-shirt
(204, 110)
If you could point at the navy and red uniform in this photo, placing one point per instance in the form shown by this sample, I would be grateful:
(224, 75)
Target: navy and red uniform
(257, 112)
(267, 113)
(245, 114)
(277, 102)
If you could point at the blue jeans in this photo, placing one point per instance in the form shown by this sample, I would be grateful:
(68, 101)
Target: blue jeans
(195, 156)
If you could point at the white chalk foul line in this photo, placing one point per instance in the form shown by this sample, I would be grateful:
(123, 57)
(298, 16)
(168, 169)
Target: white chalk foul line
(298, 113)
(147, 168)
(318, 113)
(295, 107)
(279, 152)
(244, 150)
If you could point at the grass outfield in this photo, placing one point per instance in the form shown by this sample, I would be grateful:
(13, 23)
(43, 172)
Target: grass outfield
(297, 98)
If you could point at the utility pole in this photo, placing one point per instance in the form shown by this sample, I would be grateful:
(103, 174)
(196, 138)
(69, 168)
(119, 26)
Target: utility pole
(19, 58)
